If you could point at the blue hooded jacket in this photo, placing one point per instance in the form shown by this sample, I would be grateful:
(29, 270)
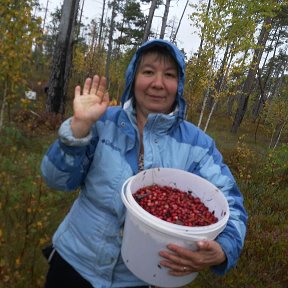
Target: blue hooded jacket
(89, 238)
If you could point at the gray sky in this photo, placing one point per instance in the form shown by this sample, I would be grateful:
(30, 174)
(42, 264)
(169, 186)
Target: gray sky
(186, 39)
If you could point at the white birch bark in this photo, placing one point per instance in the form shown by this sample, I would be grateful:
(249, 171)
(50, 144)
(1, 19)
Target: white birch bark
(3, 105)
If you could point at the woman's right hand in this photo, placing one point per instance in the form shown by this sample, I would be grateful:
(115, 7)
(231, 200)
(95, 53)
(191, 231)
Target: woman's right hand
(89, 106)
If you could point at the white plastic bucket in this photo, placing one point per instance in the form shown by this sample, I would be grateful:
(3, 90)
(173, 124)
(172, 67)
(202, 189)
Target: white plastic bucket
(145, 235)
(209, 194)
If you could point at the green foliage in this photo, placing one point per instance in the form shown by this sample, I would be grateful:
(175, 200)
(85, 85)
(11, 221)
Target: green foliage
(30, 211)
(131, 27)
(263, 178)
(220, 67)
(18, 30)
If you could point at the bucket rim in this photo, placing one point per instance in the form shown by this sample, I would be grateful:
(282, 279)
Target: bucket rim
(181, 228)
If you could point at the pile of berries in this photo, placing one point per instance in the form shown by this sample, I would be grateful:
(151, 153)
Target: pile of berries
(174, 206)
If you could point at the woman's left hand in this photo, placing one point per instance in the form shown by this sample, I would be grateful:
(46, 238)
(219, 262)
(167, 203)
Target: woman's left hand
(182, 261)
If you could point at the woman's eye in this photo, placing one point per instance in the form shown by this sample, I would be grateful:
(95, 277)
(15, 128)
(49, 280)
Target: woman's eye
(171, 75)
(147, 72)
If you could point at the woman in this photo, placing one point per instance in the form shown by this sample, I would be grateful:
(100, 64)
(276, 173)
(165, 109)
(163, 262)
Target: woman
(100, 147)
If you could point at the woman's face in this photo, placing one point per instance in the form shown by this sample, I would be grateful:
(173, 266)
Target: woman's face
(156, 84)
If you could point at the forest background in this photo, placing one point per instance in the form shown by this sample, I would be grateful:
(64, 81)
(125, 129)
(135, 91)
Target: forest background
(236, 90)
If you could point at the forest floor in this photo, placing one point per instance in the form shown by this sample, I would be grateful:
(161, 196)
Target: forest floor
(30, 211)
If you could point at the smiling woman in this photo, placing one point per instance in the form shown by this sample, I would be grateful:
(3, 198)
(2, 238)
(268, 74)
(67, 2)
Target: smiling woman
(156, 83)
(100, 147)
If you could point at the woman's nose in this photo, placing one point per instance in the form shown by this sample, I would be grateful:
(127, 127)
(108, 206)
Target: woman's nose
(158, 81)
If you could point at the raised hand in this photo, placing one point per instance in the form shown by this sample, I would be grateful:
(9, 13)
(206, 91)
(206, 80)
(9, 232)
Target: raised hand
(89, 106)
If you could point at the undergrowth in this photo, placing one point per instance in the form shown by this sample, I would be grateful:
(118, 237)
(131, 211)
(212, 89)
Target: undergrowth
(30, 211)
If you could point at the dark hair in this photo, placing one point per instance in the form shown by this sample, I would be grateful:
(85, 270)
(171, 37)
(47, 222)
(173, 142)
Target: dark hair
(161, 52)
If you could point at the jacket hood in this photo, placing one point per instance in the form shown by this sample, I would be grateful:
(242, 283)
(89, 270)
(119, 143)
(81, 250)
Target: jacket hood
(179, 58)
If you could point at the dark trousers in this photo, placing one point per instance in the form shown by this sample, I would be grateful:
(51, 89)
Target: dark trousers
(61, 274)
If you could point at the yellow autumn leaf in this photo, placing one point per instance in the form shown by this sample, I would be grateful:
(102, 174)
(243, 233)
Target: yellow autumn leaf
(42, 241)
(17, 261)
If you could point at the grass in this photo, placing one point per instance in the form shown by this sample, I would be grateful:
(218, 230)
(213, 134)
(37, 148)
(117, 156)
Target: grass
(30, 211)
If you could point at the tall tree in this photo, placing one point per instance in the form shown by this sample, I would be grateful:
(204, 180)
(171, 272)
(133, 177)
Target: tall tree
(276, 63)
(248, 84)
(62, 58)
(164, 19)
(114, 5)
(102, 22)
(148, 26)
(203, 30)
(180, 21)
(131, 27)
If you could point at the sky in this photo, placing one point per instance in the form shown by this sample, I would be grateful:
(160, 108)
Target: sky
(186, 39)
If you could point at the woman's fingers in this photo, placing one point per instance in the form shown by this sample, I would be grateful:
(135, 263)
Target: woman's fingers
(175, 260)
(77, 91)
(86, 88)
(94, 91)
(95, 83)
(177, 269)
(98, 87)
(102, 88)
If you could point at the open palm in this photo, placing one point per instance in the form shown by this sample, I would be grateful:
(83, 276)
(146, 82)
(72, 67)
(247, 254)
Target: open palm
(93, 102)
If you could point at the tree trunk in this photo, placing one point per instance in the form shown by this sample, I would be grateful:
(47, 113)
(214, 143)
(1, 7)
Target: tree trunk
(3, 104)
(79, 22)
(210, 115)
(176, 32)
(258, 105)
(202, 34)
(248, 84)
(206, 95)
(149, 21)
(93, 47)
(111, 32)
(278, 129)
(45, 17)
(220, 83)
(101, 23)
(62, 59)
(279, 133)
(219, 79)
(270, 47)
(232, 99)
(164, 20)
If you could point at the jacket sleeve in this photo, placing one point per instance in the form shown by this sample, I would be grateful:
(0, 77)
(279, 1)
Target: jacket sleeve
(66, 162)
(212, 168)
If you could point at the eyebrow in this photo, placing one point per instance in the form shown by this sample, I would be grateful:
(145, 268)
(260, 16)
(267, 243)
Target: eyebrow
(148, 65)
